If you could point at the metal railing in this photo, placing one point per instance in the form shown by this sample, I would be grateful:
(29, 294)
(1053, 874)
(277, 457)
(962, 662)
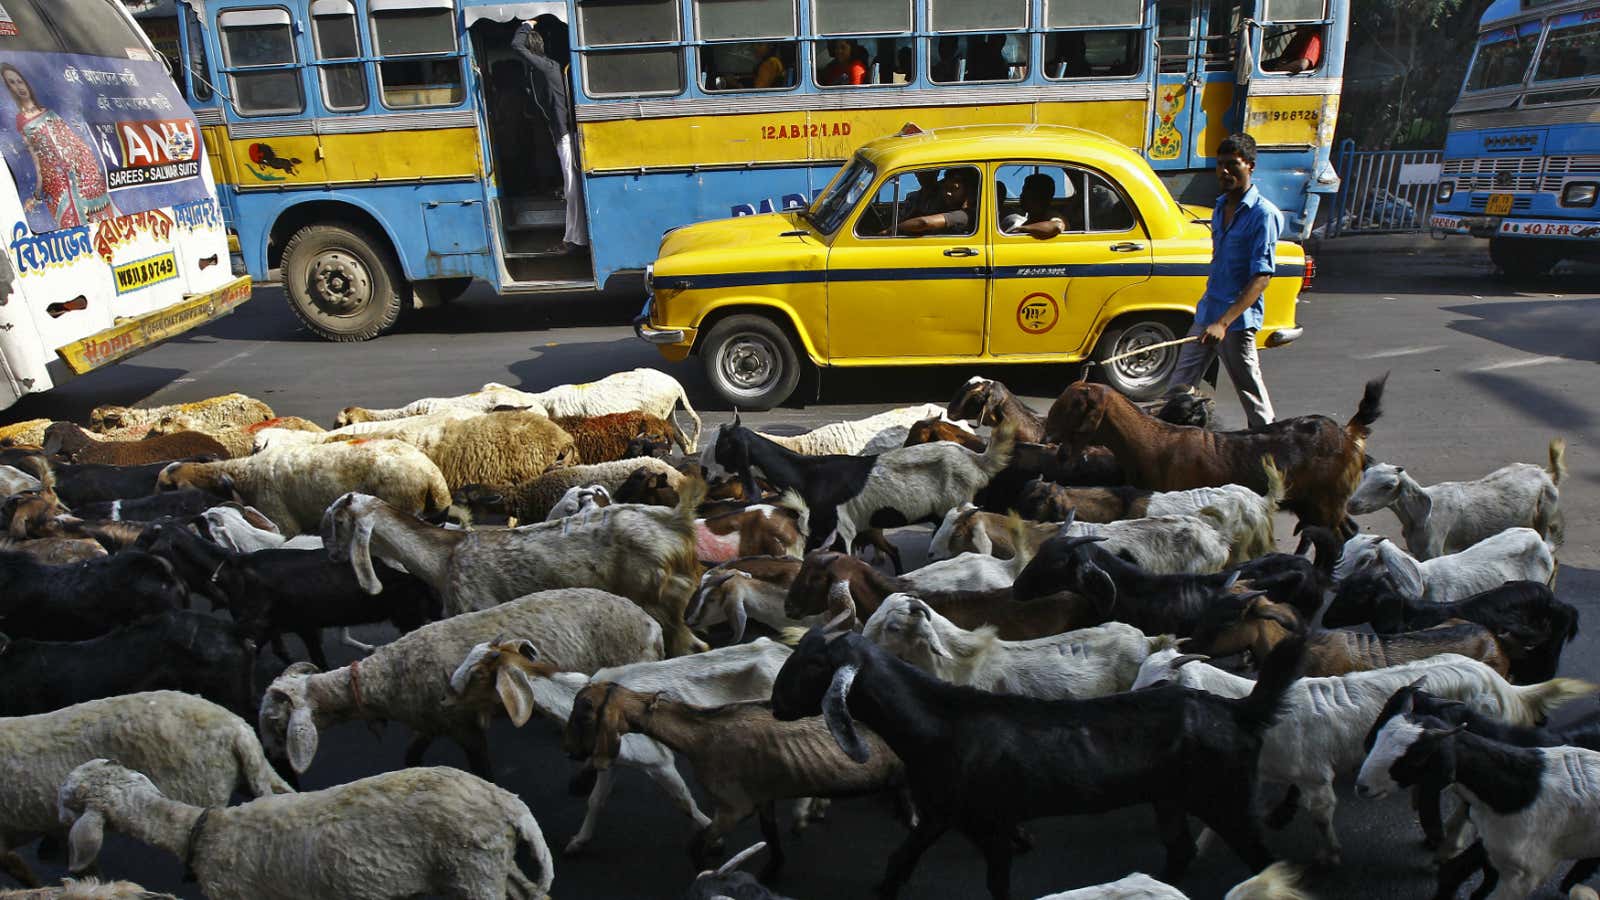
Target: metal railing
(1383, 191)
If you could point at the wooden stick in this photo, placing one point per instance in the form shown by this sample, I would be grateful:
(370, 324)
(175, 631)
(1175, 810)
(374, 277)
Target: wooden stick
(1145, 349)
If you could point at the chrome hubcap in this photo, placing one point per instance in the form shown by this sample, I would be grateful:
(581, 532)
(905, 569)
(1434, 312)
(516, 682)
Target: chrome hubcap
(749, 363)
(1143, 369)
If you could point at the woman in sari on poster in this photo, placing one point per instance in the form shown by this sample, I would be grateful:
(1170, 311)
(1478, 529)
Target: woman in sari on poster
(72, 182)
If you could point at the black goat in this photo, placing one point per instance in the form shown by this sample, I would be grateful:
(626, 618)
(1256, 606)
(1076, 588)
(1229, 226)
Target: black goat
(186, 502)
(175, 650)
(77, 484)
(1089, 467)
(83, 600)
(984, 763)
(727, 883)
(823, 482)
(1531, 624)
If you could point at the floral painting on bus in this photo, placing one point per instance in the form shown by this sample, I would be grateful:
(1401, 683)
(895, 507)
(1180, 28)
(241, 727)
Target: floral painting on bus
(89, 138)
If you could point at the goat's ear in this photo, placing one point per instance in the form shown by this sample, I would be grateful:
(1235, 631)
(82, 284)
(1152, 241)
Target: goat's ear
(361, 556)
(84, 840)
(302, 740)
(516, 693)
(989, 414)
(1407, 574)
(836, 713)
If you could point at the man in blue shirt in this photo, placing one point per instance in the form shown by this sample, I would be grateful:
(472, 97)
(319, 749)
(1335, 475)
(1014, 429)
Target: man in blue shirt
(1244, 239)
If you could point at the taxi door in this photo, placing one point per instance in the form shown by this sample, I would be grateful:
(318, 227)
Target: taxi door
(894, 294)
(1048, 291)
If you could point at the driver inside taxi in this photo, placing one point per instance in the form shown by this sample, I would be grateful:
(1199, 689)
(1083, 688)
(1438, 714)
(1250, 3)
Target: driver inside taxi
(1037, 218)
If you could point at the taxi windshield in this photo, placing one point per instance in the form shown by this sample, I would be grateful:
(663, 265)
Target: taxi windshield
(830, 210)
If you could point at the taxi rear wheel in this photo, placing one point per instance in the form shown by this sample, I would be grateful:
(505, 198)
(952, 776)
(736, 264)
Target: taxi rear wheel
(342, 282)
(751, 362)
(1142, 376)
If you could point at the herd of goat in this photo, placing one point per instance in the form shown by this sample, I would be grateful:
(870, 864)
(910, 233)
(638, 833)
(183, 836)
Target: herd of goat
(1104, 615)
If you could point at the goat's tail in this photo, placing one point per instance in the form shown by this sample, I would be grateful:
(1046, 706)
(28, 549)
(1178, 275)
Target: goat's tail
(1536, 701)
(676, 435)
(694, 440)
(792, 501)
(1279, 881)
(528, 833)
(691, 493)
(1279, 671)
(1021, 547)
(1359, 428)
(1275, 487)
(1558, 460)
(998, 453)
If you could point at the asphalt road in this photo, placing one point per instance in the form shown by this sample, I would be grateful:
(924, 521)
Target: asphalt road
(1483, 373)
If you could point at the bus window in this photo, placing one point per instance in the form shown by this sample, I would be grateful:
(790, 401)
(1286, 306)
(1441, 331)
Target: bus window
(1570, 53)
(427, 32)
(1296, 10)
(1174, 30)
(199, 71)
(261, 39)
(1103, 14)
(620, 73)
(829, 17)
(1222, 29)
(1092, 54)
(765, 53)
(848, 61)
(333, 32)
(978, 57)
(1502, 58)
(639, 71)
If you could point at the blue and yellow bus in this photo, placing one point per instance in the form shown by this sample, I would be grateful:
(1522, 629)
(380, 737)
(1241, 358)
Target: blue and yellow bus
(1521, 162)
(383, 153)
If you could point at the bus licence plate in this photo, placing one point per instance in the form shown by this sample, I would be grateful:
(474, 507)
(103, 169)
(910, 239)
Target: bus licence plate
(1498, 205)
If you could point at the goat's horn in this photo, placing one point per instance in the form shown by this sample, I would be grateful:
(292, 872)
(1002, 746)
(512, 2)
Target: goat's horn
(738, 858)
(1186, 658)
(834, 626)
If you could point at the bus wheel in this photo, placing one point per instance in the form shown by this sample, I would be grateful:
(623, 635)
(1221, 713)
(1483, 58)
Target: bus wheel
(751, 362)
(1522, 258)
(342, 282)
(1142, 376)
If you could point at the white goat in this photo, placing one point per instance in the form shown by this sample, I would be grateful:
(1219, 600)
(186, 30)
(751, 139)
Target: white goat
(1279, 881)
(1453, 515)
(1325, 720)
(874, 434)
(1165, 544)
(1516, 554)
(579, 498)
(229, 528)
(1088, 662)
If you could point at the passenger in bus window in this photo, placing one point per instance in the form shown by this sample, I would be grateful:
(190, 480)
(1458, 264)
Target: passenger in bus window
(548, 88)
(71, 180)
(770, 72)
(1037, 217)
(1303, 53)
(846, 67)
(905, 66)
(949, 65)
(960, 191)
(986, 58)
(1074, 59)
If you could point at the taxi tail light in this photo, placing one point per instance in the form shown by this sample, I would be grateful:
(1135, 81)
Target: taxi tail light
(1310, 273)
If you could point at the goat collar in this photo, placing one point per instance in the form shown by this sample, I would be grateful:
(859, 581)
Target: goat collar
(195, 831)
(355, 681)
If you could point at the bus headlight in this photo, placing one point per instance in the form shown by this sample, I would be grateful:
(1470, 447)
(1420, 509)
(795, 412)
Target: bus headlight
(1447, 189)
(1579, 193)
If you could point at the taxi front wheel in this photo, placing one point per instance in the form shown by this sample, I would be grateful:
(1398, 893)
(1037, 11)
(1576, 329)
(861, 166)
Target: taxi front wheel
(1141, 376)
(751, 362)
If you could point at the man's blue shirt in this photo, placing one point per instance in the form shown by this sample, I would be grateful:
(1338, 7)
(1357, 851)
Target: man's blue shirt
(1246, 248)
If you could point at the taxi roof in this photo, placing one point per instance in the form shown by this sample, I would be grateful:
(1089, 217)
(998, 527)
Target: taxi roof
(979, 142)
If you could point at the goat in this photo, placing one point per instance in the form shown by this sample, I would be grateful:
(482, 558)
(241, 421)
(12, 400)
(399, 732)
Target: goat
(92, 482)
(1531, 625)
(1516, 554)
(1088, 662)
(1453, 515)
(84, 600)
(860, 437)
(1056, 463)
(68, 442)
(583, 498)
(608, 437)
(1320, 462)
(184, 502)
(985, 401)
(939, 428)
(968, 529)
(55, 551)
(1325, 719)
(984, 763)
(757, 530)
(750, 588)
(744, 758)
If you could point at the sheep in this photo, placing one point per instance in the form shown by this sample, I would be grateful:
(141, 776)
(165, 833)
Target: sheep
(512, 671)
(1320, 462)
(505, 447)
(1516, 554)
(1532, 806)
(1257, 625)
(1279, 881)
(608, 437)
(644, 553)
(406, 833)
(84, 600)
(1453, 515)
(88, 889)
(984, 763)
(68, 442)
(859, 437)
(639, 390)
(15, 481)
(744, 758)
(1088, 662)
(211, 414)
(532, 501)
(176, 650)
(238, 440)
(985, 401)
(580, 498)
(196, 750)
(1325, 719)
(293, 485)
(29, 433)
(408, 680)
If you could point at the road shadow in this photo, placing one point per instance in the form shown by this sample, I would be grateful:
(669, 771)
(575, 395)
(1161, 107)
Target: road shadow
(123, 384)
(1568, 328)
(1449, 268)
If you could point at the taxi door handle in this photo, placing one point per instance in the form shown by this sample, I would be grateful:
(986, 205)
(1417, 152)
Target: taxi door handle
(961, 251)
(1126, 247)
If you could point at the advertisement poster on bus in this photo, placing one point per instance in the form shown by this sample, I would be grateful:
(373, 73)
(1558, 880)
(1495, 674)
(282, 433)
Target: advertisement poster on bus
(90, 138)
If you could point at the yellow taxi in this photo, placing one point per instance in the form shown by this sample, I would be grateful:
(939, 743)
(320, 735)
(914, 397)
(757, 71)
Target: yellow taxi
(982, 244)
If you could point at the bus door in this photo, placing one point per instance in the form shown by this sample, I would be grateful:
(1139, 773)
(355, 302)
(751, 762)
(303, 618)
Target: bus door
(195, 80)
(1196, 42)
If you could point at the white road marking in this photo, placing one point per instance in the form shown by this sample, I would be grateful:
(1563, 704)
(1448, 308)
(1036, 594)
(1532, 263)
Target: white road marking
(1402, 351)
(1518, 363)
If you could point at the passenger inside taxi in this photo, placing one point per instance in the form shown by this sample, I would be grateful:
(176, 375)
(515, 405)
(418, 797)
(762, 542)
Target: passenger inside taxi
(1038, 217)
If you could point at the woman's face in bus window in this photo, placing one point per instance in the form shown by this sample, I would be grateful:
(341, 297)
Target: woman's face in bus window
(840, 50)
(18, 87)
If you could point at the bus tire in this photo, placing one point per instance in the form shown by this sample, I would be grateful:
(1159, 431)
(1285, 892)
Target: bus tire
(1142, 377)
(1522, 258)
(342, 282)
(751, 362)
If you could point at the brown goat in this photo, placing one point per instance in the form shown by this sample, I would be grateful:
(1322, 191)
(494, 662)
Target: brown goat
(929, 430)
(1321, 462)
(722, 498)
(973, 530)
(988, 402)
(1045, 501)
(68, 442)
(55, 551)
(32, 514)
(1261, 624)
(1013, 621)
(761, 530)
(605, 438)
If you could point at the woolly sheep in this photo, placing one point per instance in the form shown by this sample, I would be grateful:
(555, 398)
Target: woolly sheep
(210, 414)
(239, 440)
(399, 834)
(874, 434)
(64, 440)
(408, 680)
(195, 750)
(532, 501)
(605, 438)
(28, 434)
(294, 484)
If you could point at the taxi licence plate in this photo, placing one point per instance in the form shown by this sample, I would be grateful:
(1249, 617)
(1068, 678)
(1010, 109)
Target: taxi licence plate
(1499, 204)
